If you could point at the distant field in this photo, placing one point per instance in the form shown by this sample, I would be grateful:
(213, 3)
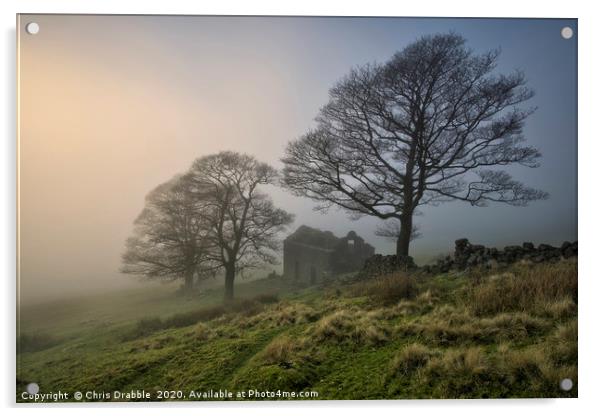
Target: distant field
(74, 316)
(512, 333)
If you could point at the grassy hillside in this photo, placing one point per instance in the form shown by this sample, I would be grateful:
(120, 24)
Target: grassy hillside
(512, 333)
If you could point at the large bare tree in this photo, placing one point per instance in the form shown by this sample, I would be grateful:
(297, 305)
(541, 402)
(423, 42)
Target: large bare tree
(171, 236)
(244, 222)
(433, 124)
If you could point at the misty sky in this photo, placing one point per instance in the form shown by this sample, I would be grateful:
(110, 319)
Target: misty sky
(112, 106)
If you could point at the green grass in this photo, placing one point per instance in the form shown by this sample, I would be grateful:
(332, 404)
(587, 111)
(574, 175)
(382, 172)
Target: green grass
(364, 341)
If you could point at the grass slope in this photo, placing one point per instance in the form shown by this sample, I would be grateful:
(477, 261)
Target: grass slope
(476, 335)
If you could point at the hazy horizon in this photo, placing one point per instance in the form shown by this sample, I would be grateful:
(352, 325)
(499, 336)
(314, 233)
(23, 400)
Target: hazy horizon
(112, 106)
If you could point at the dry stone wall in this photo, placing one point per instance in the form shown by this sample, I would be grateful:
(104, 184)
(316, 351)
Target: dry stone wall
(467, 255)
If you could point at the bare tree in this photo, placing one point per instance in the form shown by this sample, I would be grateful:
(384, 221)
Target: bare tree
(428, 126)
(244, 222)
(170, 239)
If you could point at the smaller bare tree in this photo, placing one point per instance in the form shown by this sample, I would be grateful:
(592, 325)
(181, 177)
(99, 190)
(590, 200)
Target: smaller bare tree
(170, 239)
(244, 223)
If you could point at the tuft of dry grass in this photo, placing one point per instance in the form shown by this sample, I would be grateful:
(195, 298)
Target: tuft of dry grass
(513, 325)
(281, 314)
(409, 359)
(351, 325)
(388, 290)
(470, 361)
(383, 314)
(201, 332)
(565, 343)
(560, 309)
(448, 325)
(427, 297)
(406, 307)
(535, 363)
(521, 364)
(452, 315)
(567, 333)
(525, 289)
(293, 313)
(458, 372)
(422, 304)
(281, 351)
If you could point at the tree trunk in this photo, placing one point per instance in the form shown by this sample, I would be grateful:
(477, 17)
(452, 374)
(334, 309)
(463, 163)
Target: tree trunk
(405, 235)
(229, 289)
(188, 281)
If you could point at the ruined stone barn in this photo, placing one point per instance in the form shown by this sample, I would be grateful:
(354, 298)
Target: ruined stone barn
(312, 255)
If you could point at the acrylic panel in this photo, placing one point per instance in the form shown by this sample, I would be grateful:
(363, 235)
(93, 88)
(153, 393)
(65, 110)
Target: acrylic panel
(296, 208)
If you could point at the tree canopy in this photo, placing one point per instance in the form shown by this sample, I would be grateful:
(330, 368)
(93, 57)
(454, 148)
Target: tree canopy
(212, 218)
(171, 235)
(243, 220)
(433, 124)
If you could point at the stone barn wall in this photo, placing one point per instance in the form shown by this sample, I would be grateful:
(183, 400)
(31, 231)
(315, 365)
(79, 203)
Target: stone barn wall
(311, 255)
(305, 263)
(350, 254)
